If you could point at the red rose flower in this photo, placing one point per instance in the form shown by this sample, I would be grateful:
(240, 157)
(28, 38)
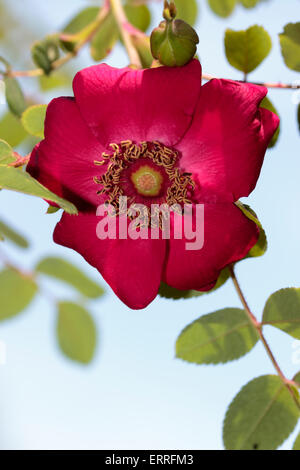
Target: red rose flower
(155, 135)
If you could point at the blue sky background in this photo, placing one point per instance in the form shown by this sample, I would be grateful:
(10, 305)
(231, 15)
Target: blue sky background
(135, 394)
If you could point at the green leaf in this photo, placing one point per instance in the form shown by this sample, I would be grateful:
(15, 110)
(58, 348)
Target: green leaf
(290, 45)
(187, 10)
(138, 15)
(33, 120)
(249, 213)
(222, 8)
(216, 338)
(297, 379)
(14, 96)
(6, 153)
(296, 445)
(52, 209)
(10, 233)
(11, 130)
(246, 49)
(267, 104)
(105, 39)
(261, 246)
(67, 272)
(81, 20)
(282, 310)
(20, 181)
(16, 292)
(56, 80)
(175, 294)
(249, 3)
(76, 332)
(261, 416)
(5, 150)
(169, 292)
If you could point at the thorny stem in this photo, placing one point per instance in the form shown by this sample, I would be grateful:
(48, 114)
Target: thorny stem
(278, 85)
(122, 22)
(258, 326)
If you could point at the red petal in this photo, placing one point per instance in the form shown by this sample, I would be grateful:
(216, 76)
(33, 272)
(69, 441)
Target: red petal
(139, 105)
(133, 268)
(64, 161)
(228, 237)
(226, 144)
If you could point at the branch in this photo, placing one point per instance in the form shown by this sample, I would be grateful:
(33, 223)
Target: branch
(103, 12)
(258, 326)
(122, 22)
(20, 161)
(279, 85)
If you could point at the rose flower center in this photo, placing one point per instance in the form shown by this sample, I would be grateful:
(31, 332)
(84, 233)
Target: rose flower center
(147, 181)
(146, 173)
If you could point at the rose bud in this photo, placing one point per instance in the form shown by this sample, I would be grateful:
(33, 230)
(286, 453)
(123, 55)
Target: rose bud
(174, 43)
